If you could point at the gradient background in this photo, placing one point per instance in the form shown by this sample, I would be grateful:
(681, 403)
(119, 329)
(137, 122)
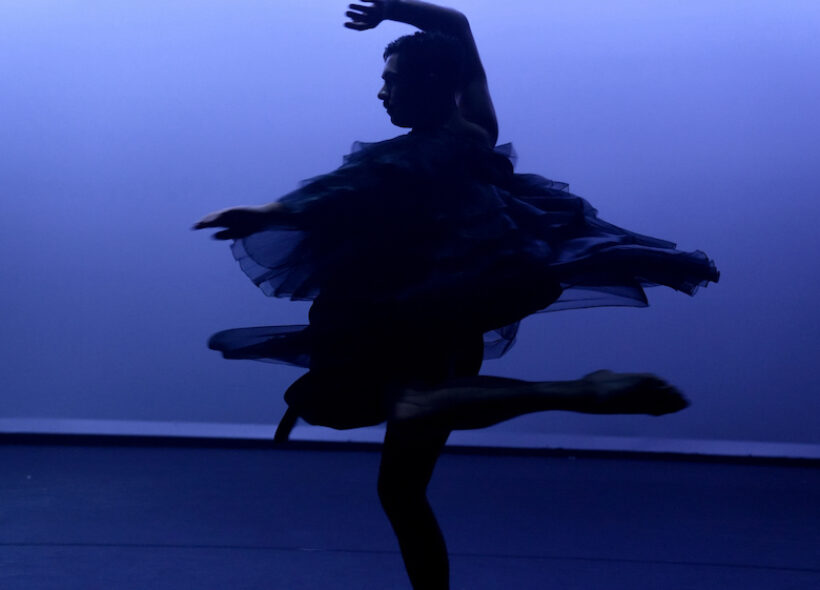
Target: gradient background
(121, 123)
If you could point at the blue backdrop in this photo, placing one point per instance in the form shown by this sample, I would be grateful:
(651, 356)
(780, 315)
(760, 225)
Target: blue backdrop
(124, 122)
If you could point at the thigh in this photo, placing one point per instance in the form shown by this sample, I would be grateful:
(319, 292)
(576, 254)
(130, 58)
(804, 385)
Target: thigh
(338, 399)
(359, 361)
(409, 455)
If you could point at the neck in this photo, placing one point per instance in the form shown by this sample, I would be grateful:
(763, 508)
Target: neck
(438, 119)
(457, 125)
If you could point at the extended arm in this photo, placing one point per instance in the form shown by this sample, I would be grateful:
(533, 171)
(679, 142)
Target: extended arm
(473, 98)
(240, 222)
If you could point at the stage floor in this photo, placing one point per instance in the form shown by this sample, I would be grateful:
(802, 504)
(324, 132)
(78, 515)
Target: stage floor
(127, 516)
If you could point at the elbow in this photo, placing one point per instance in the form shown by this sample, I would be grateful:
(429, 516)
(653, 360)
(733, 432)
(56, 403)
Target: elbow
(452, 22)
(460, 24)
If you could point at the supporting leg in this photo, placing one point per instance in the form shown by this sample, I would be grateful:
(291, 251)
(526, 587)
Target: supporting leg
(408, 458)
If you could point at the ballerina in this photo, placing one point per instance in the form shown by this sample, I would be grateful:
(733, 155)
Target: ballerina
(420, 255)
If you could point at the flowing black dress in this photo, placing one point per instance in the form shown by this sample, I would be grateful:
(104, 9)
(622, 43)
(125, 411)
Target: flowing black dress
(421, 254)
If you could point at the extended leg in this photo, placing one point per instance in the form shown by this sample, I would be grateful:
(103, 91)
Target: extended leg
(478, 402)
(408, 458)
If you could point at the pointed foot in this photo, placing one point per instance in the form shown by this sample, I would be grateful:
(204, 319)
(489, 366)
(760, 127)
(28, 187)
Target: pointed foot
(633, 393)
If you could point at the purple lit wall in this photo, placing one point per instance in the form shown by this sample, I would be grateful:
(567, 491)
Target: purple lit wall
(121, 123)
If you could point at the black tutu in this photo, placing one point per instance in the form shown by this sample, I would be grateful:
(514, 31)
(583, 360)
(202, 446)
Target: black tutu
(435, 239)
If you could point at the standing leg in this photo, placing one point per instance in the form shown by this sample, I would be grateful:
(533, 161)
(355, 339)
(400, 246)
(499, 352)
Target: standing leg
(409, 455)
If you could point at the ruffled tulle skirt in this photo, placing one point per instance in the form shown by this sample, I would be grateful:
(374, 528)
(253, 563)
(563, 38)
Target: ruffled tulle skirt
(422, 245)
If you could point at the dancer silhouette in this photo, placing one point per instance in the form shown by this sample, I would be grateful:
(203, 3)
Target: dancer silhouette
(420, 255)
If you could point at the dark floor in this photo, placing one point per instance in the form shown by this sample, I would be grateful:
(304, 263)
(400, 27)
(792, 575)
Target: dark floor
(175, 517)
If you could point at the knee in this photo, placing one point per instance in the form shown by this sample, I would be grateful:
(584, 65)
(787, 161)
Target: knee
(398, 494)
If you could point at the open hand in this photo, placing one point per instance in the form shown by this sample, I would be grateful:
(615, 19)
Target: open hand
(366, 17)
(238, 221)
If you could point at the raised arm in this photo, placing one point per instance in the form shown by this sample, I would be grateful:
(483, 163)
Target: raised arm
(473, 97)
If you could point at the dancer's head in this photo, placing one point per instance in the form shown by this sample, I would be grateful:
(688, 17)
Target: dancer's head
(422, 73)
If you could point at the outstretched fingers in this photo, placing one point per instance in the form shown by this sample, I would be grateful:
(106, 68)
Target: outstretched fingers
(215, 219)
(207, 221)
(358, 26)
(365, 17)
(239, 222)
(373, 5)
(229, 234)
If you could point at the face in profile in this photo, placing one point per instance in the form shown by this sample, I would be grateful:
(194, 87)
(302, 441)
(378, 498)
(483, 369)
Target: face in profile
(409, 102)
(396, 93)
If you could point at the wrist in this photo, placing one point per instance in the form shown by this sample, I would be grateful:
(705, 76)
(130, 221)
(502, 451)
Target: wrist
(274, 212)
(389, 9)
